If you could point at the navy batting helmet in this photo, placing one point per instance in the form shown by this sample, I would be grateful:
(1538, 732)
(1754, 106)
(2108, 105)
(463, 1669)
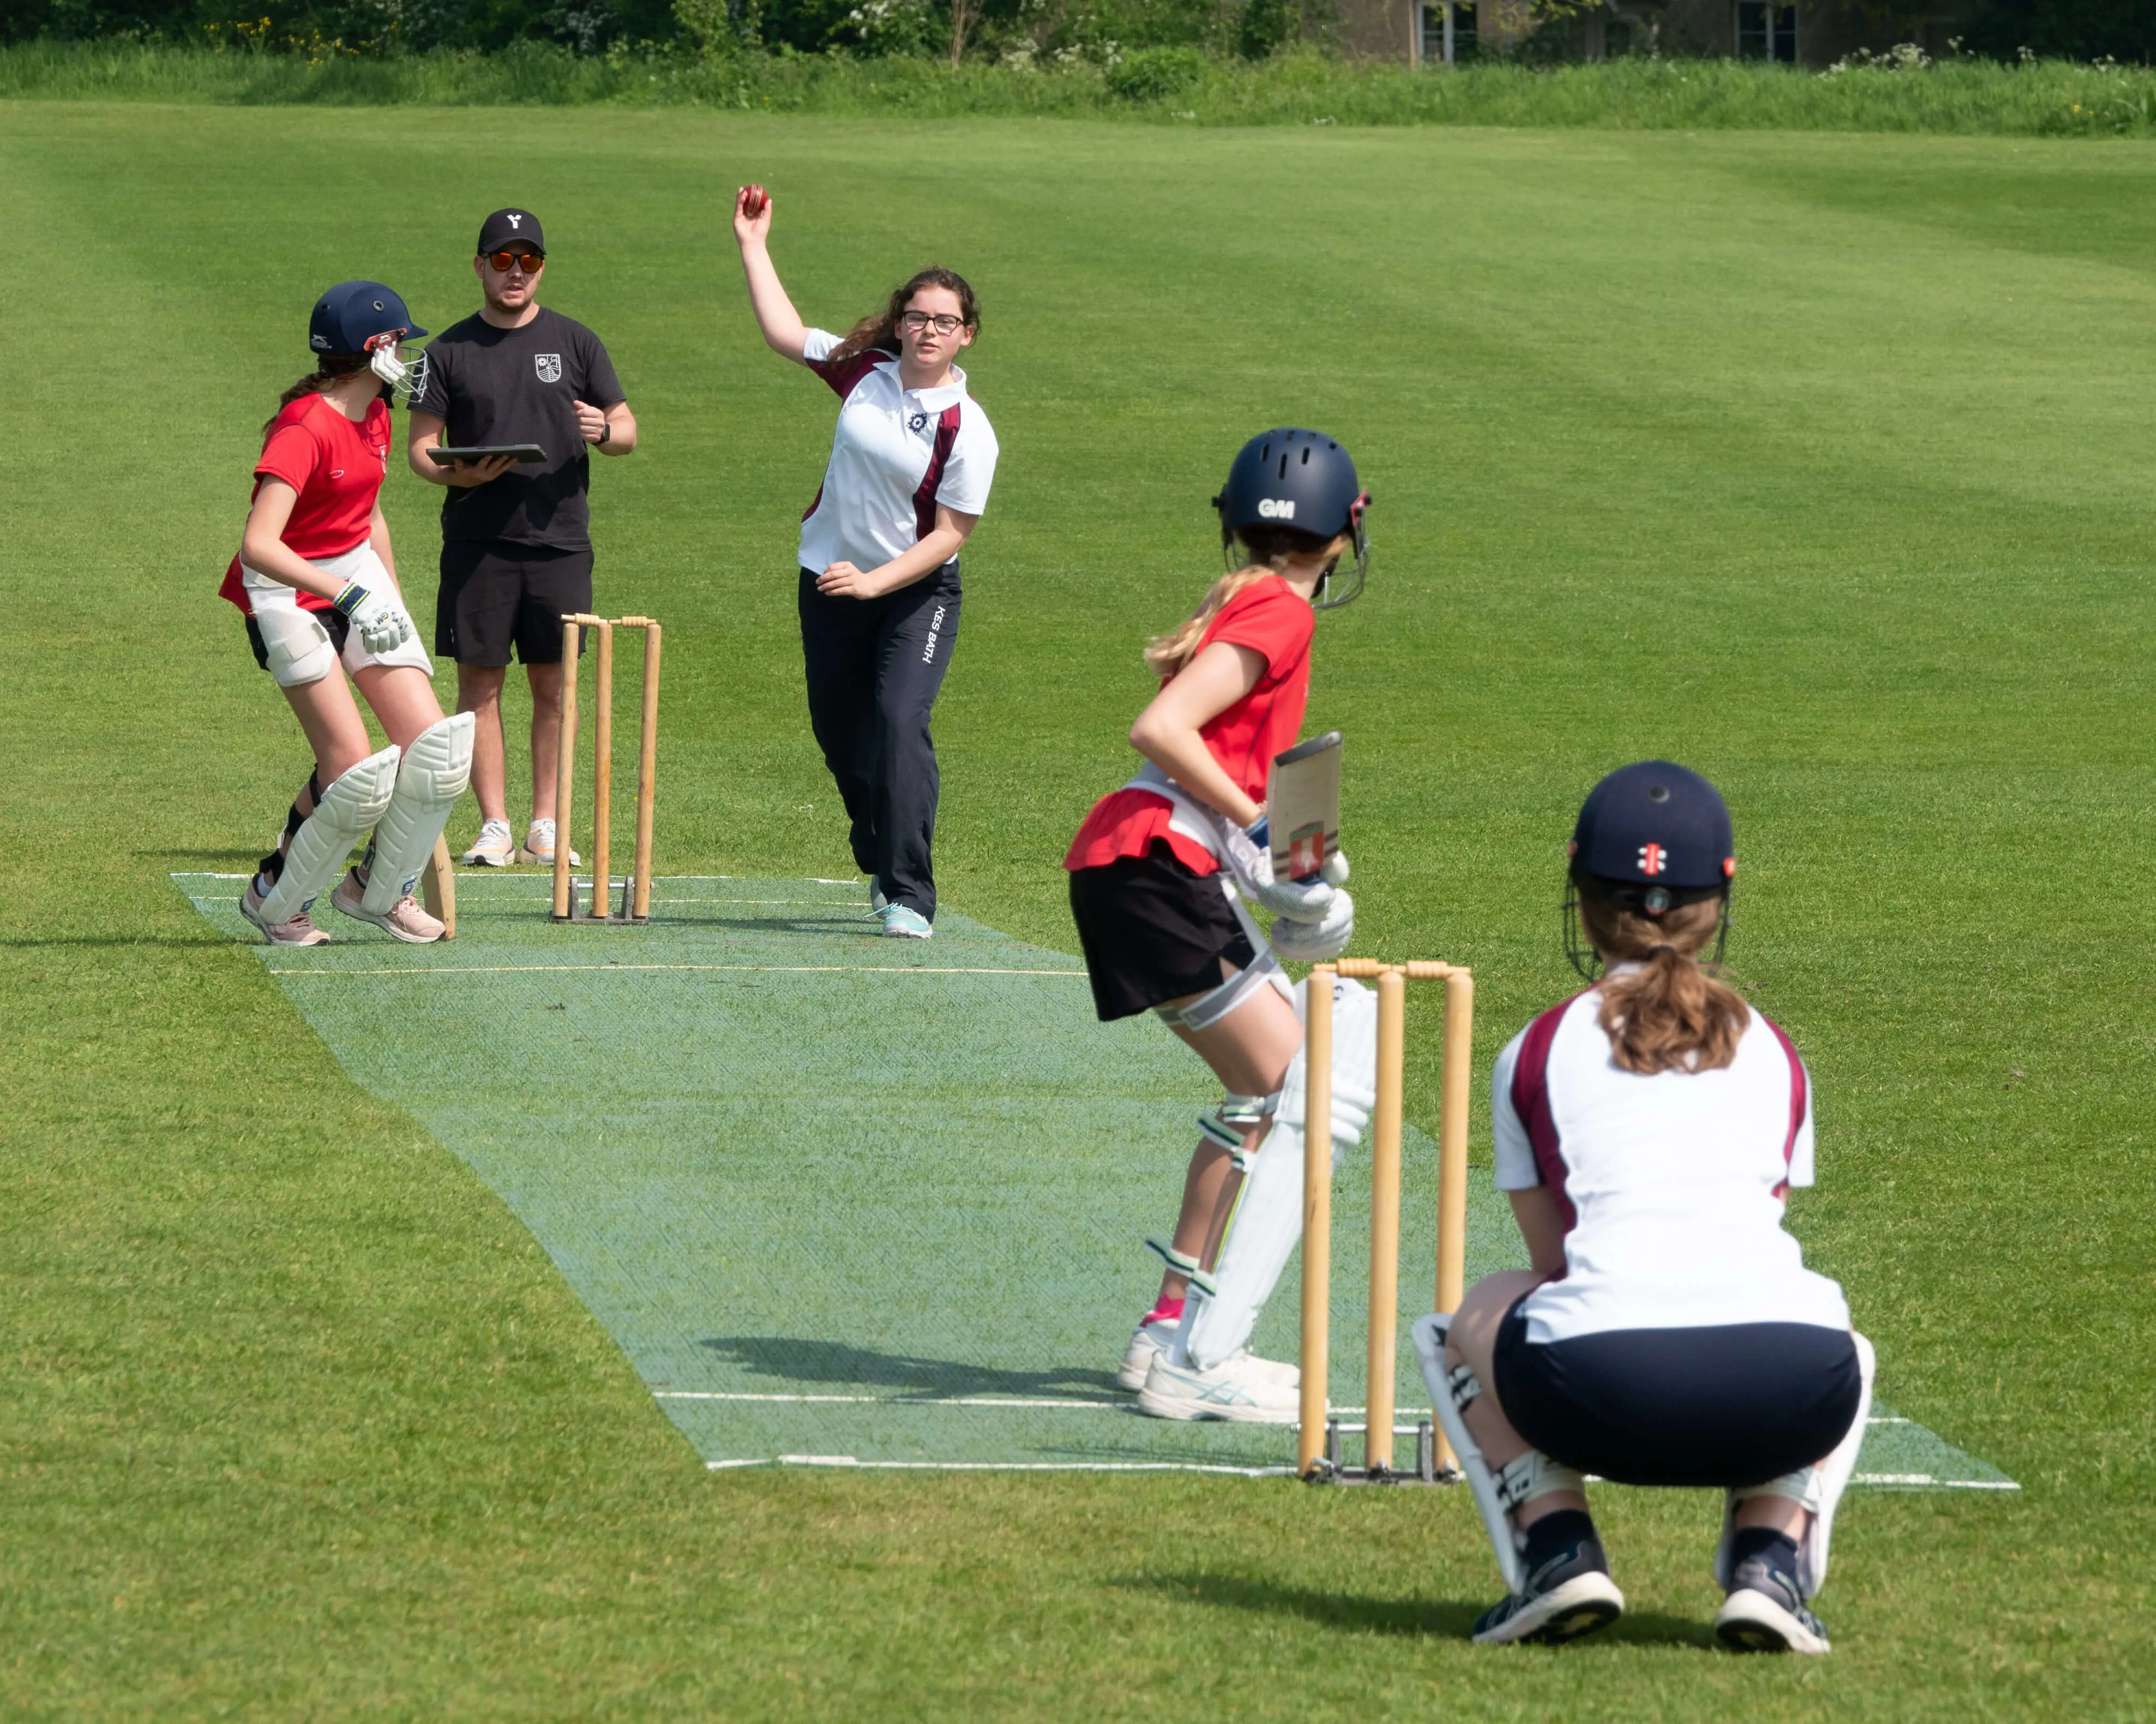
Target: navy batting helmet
(1650, 837)
(1303, 480)
(353, 316)
(365, 317)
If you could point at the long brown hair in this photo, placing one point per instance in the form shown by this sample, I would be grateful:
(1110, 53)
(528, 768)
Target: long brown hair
(329, 368)
(1671, 1014)
(1270, 549)
(881, 331)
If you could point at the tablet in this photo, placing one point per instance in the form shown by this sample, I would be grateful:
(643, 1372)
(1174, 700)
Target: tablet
(525, 452)
(1303, 809)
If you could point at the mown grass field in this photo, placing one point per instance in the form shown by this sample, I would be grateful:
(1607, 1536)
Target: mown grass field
(1818, 463)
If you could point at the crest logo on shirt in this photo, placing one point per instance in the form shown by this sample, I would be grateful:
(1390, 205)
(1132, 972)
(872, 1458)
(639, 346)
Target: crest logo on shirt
(549, 365)
(919, 422)
(1653, 860)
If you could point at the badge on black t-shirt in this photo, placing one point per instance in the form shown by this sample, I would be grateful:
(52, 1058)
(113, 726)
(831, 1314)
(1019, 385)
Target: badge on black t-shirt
(488, 385)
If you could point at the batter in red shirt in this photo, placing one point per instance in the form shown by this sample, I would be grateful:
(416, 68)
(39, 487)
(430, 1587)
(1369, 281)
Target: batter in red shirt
(315, 579)
(1161, 871)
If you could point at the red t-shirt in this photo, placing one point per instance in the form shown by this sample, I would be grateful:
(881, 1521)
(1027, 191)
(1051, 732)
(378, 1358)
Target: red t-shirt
(337, 467)
(1271, 618)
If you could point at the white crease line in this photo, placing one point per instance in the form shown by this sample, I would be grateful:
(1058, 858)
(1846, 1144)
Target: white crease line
(752, 969)
(683, 1395)
(1425, 1414)
(1928, 1479)
(1182, 1466)
(1007, 1466)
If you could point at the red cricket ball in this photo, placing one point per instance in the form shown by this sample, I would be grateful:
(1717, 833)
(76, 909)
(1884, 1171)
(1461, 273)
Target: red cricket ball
(755, 200)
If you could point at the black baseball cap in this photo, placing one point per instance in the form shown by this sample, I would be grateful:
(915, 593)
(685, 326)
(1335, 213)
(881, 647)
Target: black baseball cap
(511, 230)
(1652, 836)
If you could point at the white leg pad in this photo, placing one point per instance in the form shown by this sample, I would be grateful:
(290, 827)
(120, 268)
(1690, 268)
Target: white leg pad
(1261, 1234)
(342, 813)
(435, 770)
(1267, 1218)
(1354, 1064)
(1819, 1488)
(1445, 1396)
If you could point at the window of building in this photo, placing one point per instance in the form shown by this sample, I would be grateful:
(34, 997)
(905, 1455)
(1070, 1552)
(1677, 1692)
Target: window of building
(1766, 32)
(1436, 16)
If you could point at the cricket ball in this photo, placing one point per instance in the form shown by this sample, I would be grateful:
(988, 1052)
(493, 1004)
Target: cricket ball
(754, 201)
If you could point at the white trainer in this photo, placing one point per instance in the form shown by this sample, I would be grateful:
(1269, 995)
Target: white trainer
(403, 919)
(299, 931)
(1148, 1341)
(1279, 1370)
(495, 848)
(1232, 1390)
(539, 846)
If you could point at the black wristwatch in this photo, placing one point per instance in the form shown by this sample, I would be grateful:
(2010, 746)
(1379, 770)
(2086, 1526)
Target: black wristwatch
(606, 433)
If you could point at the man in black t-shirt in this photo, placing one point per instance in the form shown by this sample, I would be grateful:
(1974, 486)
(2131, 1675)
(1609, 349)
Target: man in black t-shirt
(516, 546)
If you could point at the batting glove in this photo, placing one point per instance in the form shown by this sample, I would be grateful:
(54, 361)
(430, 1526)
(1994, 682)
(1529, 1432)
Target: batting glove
(383, 624)
(1319, 937)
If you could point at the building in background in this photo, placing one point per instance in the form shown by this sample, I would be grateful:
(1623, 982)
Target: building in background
(1806, 32)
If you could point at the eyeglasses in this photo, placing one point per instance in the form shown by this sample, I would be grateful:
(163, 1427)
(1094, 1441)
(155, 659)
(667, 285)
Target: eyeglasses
(530, 262)
(942, 322)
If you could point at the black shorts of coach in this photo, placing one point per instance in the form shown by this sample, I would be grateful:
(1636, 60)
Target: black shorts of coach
(1153, 930)
(1727, 1405)
(496, 594)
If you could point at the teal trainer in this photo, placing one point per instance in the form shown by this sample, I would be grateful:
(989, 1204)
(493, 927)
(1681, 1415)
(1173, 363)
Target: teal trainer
(903, 922)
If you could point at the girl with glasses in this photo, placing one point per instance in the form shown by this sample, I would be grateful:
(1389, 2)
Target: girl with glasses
(912, 462)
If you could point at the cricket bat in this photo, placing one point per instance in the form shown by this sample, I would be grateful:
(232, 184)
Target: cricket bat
(1302, 811)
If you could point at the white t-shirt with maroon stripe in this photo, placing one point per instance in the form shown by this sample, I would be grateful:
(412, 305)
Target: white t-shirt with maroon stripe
(1670, 1186)
(896, 454)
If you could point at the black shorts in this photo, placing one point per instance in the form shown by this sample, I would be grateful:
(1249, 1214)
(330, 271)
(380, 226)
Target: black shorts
(1731, 1405)
(495, 595)
(338, 624)
(1152, 930)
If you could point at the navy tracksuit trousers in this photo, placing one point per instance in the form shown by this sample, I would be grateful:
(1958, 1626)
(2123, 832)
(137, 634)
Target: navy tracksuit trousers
(874, 667)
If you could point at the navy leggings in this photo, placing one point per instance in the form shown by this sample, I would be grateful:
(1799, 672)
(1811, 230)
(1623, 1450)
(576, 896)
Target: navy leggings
(874, 667)
(1731, 1405)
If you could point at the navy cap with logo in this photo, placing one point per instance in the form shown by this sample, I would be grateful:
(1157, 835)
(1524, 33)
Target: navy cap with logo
(1653, 835)
(511, 230)
(353, 315)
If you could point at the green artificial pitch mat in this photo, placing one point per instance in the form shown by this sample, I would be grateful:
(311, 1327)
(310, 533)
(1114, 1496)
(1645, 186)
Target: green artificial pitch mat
(848, 1201)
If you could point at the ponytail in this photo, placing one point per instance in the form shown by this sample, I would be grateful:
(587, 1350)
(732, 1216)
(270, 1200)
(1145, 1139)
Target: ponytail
(1166, 653)
(1270, 549)
(1671, 1013)
(328, 369)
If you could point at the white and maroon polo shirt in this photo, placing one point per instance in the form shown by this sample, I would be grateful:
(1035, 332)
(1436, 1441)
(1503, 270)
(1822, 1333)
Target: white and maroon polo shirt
(1671, 1185)
(897, 453)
